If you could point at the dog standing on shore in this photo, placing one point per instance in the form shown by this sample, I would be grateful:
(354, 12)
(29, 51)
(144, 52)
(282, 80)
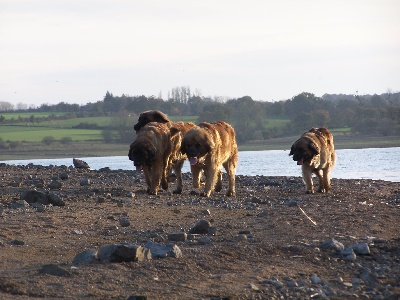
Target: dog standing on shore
(209, 146)
(315, 152)
(178, 130)
(150, 152)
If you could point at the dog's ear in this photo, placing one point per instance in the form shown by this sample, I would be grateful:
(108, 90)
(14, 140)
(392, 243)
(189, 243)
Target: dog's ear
(291, 150)
(314, 148)
(209, 145)
(160, 117)
(183, 148)
(174, 131)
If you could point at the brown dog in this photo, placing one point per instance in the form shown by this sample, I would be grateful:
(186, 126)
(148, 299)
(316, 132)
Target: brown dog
(178, 130)
(209, 146)
(315, 152)
(151, 151)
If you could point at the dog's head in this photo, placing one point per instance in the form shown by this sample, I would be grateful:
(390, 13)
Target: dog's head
(141, 154)
(304, 150)
(150, 116)
(196, 144)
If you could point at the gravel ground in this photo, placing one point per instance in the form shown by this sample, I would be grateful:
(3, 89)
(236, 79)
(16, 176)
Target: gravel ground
(68, 233)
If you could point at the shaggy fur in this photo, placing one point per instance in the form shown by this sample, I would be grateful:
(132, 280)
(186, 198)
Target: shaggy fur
(151, 151)
(315, 152)
(178, 130)
(209, 146)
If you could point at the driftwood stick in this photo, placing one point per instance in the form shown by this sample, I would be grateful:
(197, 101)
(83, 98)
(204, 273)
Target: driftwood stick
(307, 216)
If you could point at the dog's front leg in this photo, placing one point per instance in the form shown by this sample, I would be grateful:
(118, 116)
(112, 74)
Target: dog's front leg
(211, 179)
(307, 178)
(156, 176)
(196, 174)
(147, 177)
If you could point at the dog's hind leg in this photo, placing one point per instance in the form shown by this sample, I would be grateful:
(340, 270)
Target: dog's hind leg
(178, 172)
(327, 179)
(218, 186)
(230, 168)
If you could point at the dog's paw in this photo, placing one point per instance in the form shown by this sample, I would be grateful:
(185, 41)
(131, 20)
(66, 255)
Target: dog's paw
(230, 193)
(177, 191)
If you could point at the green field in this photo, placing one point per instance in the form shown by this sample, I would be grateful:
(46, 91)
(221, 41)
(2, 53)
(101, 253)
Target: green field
(35, 134)
(24, 115)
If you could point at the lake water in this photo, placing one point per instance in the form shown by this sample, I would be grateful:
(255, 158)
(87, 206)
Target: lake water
(370, 163)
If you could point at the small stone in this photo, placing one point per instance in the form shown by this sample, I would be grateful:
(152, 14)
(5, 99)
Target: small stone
(291, 283)
(80, 164)
(177, 236)
(20, 204)
(124, 222)
(201, 227)
(17, 243)
(204, 240)
(131, 194)
(241, 237)
(361, 249)
(54, 270)
(101, 199)
(85, 257)
(63, 176)
(315, 279)
(332, 244)
(85, 182)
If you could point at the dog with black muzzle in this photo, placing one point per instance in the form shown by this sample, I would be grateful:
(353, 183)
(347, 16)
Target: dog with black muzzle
(150, 152)
(178, 130)
(315, 153)
(209, 146)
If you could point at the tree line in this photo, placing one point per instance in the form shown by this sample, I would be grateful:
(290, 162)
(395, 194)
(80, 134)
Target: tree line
(362, 114)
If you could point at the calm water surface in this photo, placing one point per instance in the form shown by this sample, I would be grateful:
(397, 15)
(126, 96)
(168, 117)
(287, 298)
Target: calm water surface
(371, 163)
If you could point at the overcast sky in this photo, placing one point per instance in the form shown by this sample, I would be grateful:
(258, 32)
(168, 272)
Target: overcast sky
(77, 50)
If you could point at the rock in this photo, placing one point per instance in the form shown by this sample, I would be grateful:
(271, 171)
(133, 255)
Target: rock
(204, 240)
(63, 176)
(20, 204)
(348, 253)
(54, 270)
(241, 237)
(85, 257)
(85, 182)
(124, 222)
(123, 253)
(291, 283)
(55, 200)
(80, 164)
(368, 277)
(361, 249)
(137, 298)
(160, 251)
(315, 279)
(332, 244)
(35, 196)
(177, 236)
(17, 243)
(130, 194)
(55, 185)
(275, 282)
(201, 227)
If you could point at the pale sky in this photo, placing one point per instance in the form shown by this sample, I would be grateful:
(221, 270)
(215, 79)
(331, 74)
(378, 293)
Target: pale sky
(77, 50)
